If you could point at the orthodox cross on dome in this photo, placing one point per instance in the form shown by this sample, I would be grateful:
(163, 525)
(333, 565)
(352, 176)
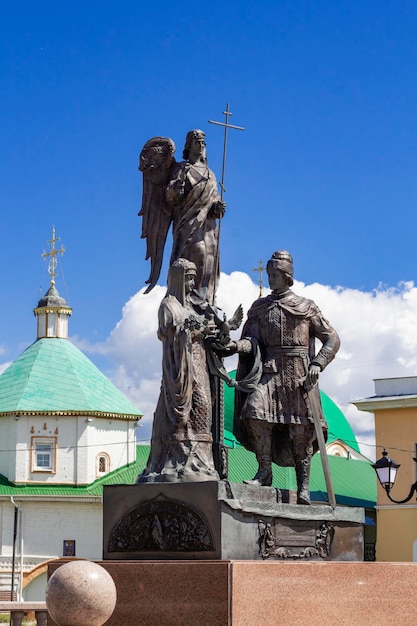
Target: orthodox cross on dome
(52, 254)
(226, 125)
(260, 269)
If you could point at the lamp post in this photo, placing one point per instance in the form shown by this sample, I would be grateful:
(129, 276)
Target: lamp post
(386, 470)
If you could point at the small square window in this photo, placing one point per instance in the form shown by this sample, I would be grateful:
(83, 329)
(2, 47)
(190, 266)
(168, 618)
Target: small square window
(43, 455)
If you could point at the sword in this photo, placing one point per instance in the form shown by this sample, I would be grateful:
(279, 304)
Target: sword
(315, 409)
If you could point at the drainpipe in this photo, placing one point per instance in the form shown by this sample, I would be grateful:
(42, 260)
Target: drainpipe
(16, 515)
(76, 452)
(127, 440)
(20, 595)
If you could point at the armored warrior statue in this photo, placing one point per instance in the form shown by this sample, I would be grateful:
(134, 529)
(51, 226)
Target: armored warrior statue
(276, 420)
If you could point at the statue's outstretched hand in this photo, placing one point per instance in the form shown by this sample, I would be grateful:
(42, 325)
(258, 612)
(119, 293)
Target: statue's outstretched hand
(223, 348)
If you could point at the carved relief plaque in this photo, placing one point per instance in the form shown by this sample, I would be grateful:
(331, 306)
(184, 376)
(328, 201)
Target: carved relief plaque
(161, 524)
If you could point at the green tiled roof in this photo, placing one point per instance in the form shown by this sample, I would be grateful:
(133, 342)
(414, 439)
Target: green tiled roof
(339, 427)
(53, 376)
(354, 481)
(124, 475)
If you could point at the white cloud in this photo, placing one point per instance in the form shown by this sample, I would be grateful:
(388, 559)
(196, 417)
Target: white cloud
(4, 366)
(379, 340)
(377, 330)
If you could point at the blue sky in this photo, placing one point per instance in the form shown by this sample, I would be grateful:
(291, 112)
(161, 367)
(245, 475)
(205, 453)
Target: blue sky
(326, 90)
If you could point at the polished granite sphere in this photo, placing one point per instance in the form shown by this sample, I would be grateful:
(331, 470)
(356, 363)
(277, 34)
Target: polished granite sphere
(80, 593)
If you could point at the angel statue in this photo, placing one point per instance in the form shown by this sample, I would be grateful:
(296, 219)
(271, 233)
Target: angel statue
(184, 194)
(181, 446)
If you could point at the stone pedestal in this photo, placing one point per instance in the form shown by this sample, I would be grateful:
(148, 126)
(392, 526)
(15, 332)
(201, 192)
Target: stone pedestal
(238, 593)
(221, 520)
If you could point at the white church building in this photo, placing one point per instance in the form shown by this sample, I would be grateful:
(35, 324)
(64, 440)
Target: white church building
(65, 431)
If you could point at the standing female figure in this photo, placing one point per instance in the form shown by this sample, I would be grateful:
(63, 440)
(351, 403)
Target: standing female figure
(181, 446)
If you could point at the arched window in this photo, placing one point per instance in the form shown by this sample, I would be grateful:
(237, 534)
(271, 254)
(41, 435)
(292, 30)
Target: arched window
(337, 449)
(102, 464)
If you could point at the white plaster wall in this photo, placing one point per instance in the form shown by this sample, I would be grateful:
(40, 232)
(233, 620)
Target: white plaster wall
(68, 442)
(7, 527)
(79, 440)
(8, 427)
(45, 525)
(22, 462)
(116, 438)
(82, 453)
(1, 528)
(28, 428)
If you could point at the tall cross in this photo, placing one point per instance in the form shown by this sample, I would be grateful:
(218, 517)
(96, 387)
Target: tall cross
(53, 253)
(260, 269)
(219, 450)
(226, 125)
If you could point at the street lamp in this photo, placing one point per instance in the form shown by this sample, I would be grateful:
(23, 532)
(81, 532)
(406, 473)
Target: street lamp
(386, 470)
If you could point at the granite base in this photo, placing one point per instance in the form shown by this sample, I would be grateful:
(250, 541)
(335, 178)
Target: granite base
(238, 593)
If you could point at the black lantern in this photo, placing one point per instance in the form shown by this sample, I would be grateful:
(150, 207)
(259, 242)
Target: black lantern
(386, 470)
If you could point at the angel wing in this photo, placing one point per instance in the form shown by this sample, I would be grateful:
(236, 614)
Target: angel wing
(156, 162)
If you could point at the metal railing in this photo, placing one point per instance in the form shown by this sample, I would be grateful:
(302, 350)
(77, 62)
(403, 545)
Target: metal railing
(18, 610)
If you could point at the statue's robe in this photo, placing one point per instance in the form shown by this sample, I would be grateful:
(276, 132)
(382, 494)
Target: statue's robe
(181, 446)
(195, 231)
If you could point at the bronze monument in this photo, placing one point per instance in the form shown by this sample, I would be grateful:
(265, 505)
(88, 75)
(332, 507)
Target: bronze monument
(278, 414)
(183, 506)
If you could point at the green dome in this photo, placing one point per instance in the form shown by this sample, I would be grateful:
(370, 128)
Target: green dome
(339, 427)
(52, 376)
